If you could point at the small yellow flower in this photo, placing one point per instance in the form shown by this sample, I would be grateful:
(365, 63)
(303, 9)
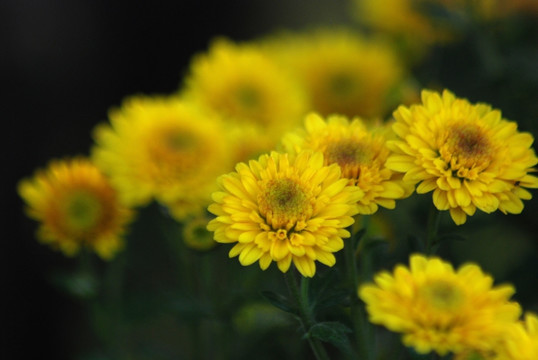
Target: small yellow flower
(163, 148)
(342, 71)
(403, 19)
(467, 154)
(76, 207)
(360, 152)
(439, 309)
(284, 209)
(243, 86)
(196, 236)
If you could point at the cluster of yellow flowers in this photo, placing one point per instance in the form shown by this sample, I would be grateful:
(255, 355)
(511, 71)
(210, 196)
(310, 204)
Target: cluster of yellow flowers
(301, 117)
(236, 101)
(437, 308)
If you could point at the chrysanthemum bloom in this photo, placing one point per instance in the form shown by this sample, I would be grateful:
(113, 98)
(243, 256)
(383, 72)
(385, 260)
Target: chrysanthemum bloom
(467, 154)
(165, 149)
(437, 308)
(360, 152)
(76, 207)
(242, 85)
(283, 209)
(343, 72)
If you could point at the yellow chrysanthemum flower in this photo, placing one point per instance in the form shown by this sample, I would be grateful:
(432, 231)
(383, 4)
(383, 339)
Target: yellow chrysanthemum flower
(76, 207)
(283, 209)
(243, 86)
(165, 149)
(437, 308)
(467, 154)
(359, 151)
(342, 71)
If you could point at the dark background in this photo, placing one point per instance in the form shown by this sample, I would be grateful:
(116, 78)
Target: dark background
(63, 65)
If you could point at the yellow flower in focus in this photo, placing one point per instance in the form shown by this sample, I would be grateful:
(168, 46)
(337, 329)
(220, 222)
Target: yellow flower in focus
(245, 87)
(165, 149)
(284, 209)
(467, 154)
(437, 308)
(342, 71)
(76, 207)
(360, 152)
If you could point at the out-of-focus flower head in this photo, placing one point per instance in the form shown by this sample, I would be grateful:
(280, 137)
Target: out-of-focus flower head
(418, 24)
(165, 149)
(342, 71)
(285, 209)
(196, 236)
(467, 154)
(437, 308)
(243, 86)
(77, 207)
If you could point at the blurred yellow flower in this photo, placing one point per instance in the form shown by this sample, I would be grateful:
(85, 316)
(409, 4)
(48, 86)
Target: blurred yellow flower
(437, 308)
(405, 20)
(467, 154)
(342, 71)
(360, 152)
(521, 341)
(243, 86)
(283, 209)
(196, 236)
(165, 149)
(76, 207)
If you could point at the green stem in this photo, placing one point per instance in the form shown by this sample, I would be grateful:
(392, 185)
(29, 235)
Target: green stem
(432, 230)
(361, 328)
(305, 312)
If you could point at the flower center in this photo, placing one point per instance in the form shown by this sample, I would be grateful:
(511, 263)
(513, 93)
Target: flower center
(179, 141)
(351, 155)
(442, 295)
(248, 97)
(342, 84)
(82, 211)
(283, 203)
(466, 147)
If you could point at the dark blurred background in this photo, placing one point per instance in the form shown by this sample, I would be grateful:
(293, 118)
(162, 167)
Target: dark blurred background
(65, 63)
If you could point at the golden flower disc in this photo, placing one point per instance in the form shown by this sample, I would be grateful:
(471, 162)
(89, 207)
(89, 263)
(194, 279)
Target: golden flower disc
(466, 154)
(76, 206)
(437, 308)
(284, 209)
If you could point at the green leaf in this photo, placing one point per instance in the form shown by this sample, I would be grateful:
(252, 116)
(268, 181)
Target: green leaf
(83, 285)
(332, 298)
(279, 301)
(332, 332)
